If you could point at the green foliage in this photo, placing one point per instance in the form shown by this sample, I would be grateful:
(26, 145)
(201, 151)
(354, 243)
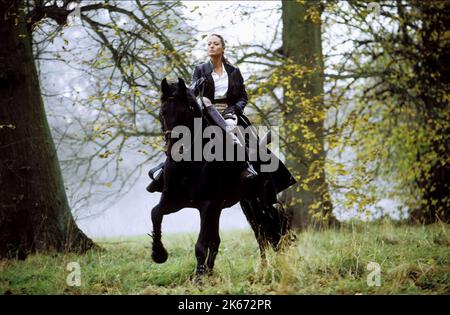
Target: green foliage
(114, 64)
(390, 96)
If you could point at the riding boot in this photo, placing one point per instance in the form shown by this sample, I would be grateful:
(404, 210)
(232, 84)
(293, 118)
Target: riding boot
(157, 184)
(248, 171)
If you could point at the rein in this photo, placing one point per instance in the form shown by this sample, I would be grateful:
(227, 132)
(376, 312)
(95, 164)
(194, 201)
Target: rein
(168, 132)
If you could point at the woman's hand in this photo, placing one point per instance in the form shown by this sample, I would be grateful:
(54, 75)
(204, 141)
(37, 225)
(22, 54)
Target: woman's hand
(233, 110)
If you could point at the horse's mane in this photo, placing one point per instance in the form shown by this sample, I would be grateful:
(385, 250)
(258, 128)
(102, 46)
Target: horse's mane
(190, 98)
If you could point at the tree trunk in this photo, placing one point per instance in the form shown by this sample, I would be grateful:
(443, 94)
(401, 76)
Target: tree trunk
(433, 73)
(310, 204)
(34, 211)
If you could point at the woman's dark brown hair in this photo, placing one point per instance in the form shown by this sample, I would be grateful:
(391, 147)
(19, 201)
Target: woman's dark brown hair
(225, 60)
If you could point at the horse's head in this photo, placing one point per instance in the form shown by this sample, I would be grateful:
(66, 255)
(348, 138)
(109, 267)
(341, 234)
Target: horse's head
(178, 107)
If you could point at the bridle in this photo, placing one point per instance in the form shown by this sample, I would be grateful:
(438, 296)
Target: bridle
(189, 110)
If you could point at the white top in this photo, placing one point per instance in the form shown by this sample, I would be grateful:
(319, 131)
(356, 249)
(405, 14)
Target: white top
(220, 83)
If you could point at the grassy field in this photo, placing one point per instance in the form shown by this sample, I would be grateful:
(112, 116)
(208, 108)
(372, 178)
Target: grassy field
(412, 259)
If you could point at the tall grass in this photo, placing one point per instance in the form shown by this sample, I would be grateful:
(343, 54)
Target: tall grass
(412, 260)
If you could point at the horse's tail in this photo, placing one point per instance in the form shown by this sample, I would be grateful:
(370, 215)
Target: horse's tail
(270, 224)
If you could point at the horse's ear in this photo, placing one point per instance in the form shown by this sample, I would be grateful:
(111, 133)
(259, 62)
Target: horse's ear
(182, 86)
(165, 87)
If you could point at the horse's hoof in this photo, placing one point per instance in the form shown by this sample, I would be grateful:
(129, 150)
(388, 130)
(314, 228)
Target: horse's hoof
(197, 279)
(159, 254)
(201, 271)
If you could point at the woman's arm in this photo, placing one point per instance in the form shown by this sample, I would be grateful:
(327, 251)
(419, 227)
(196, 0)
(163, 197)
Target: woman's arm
(243, 99)
(238, 107)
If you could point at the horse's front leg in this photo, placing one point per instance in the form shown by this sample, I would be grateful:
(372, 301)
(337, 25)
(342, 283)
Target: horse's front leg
(214, 241)
(208, 240)
(201, 247)
(159, 253)
(167, 204)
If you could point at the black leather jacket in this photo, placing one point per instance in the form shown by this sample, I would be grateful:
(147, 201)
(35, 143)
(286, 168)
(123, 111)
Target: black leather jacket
(236, 94)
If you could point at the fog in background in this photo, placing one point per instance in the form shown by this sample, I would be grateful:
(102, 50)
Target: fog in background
(130, 215)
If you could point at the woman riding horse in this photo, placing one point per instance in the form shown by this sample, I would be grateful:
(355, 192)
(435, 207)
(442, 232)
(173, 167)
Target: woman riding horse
(224, 98)
(207, 185)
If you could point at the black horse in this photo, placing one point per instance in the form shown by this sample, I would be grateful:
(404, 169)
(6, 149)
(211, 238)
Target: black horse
(208, 186)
